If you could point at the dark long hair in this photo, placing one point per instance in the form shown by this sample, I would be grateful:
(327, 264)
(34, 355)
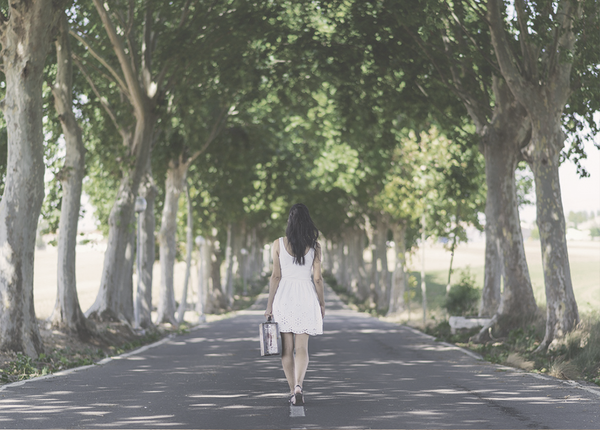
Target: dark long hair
(301, 232)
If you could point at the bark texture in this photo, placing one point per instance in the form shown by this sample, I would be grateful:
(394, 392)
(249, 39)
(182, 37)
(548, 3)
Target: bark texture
(189, 241)
(203, 277)
(121, 223)
(502, 140)
(398, 287)
(216, 300)
(147, 242)
(67, 311)
(167, 241)
(25, 39)
(541, 83)
(135, 80)
(383, 274)
(229, 260)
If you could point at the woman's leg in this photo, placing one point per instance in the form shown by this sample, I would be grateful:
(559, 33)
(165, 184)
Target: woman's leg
(287, 358)
(301, 361)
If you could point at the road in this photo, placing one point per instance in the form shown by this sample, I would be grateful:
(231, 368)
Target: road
(364, 373)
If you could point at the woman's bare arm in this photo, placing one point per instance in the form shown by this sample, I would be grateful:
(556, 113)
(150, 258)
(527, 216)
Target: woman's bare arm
(275, 278)
(318, 278)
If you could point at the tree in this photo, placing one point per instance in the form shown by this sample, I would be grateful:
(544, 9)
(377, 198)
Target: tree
(457, 46)
(140, 66)
(25, 34)
(67, 311)
(536, 54)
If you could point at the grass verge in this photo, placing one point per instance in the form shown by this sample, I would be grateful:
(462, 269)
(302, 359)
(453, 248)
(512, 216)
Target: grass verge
(112, 339)
(21, 367)
(575, 357)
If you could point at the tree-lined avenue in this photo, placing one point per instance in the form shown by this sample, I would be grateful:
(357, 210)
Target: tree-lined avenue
(364, 373)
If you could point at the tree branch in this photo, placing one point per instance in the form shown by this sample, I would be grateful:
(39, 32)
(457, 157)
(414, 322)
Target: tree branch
(127, 27)
(474, 43)
(137, 96)
(103, 101)
(117, 78)
(529, 58)
(478, 112)
(185, 12)
(568, 11)
(521, 88)
(217, 127)
(147, 49)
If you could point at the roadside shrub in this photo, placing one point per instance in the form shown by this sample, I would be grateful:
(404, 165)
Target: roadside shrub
(585, 351)
(463, 297)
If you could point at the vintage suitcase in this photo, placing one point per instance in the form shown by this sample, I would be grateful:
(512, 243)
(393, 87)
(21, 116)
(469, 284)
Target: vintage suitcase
(269, 338)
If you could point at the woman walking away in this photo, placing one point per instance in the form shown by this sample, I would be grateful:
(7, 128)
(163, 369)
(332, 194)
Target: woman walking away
(296, 303)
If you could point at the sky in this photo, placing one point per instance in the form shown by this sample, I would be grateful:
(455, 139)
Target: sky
(578, 194)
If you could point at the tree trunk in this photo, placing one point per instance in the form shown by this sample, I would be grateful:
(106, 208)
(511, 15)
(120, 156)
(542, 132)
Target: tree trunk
(544, 96)
(453, 248)
(398, 288)
(188, 256)
(67, 311)
(517, 298)
(216, 300)
(492, 277)
(147, 253)
(125, 299)
(167, 239)
(543, 157)
(229, 265)
(25, 39)
(358, 283)
(120, 222)
(502, 141)
(326, 247)
(203, 276)
(250, 261)
(371, 268)
(383, 284)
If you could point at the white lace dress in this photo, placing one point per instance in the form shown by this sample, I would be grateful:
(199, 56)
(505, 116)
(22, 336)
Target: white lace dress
(296, 305)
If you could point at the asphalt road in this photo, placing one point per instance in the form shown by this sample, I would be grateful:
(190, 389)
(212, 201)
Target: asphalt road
(364, 373)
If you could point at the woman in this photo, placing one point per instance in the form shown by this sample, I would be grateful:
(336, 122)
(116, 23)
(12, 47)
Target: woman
(296, 304)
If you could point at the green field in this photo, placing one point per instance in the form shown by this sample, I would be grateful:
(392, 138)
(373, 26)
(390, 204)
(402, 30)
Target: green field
(584, 259)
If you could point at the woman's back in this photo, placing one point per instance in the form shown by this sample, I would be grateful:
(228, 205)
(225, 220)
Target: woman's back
(291, 270)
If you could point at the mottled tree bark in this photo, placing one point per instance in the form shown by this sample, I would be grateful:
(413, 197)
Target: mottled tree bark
(502, 140)
(229, 264)
(25, 36)
(216, 300)
(67, 311)
(143, 93)
(540, 80)
(562, 314)
(168, 241)
(125, 300)
(189, 242)
(396, 304)
(383, 284)
(203, 277)
(121, 223)
(147, 253)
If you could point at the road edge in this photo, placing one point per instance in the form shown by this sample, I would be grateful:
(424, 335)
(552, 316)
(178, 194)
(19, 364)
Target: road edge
(576, 384)
(103, 361)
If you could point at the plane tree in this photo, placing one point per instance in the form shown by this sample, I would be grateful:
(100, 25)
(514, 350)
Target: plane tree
(547, 52)
(26, 30)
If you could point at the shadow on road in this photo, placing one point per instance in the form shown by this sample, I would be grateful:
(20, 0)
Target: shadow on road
(364, 373)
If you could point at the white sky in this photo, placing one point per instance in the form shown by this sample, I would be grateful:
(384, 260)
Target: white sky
(578, 194)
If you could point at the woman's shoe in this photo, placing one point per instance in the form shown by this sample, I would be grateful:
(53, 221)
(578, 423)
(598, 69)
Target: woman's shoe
(299, 396)
(291, 399)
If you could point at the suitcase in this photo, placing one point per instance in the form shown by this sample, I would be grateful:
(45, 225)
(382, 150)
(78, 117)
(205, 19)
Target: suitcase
(269, 338)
